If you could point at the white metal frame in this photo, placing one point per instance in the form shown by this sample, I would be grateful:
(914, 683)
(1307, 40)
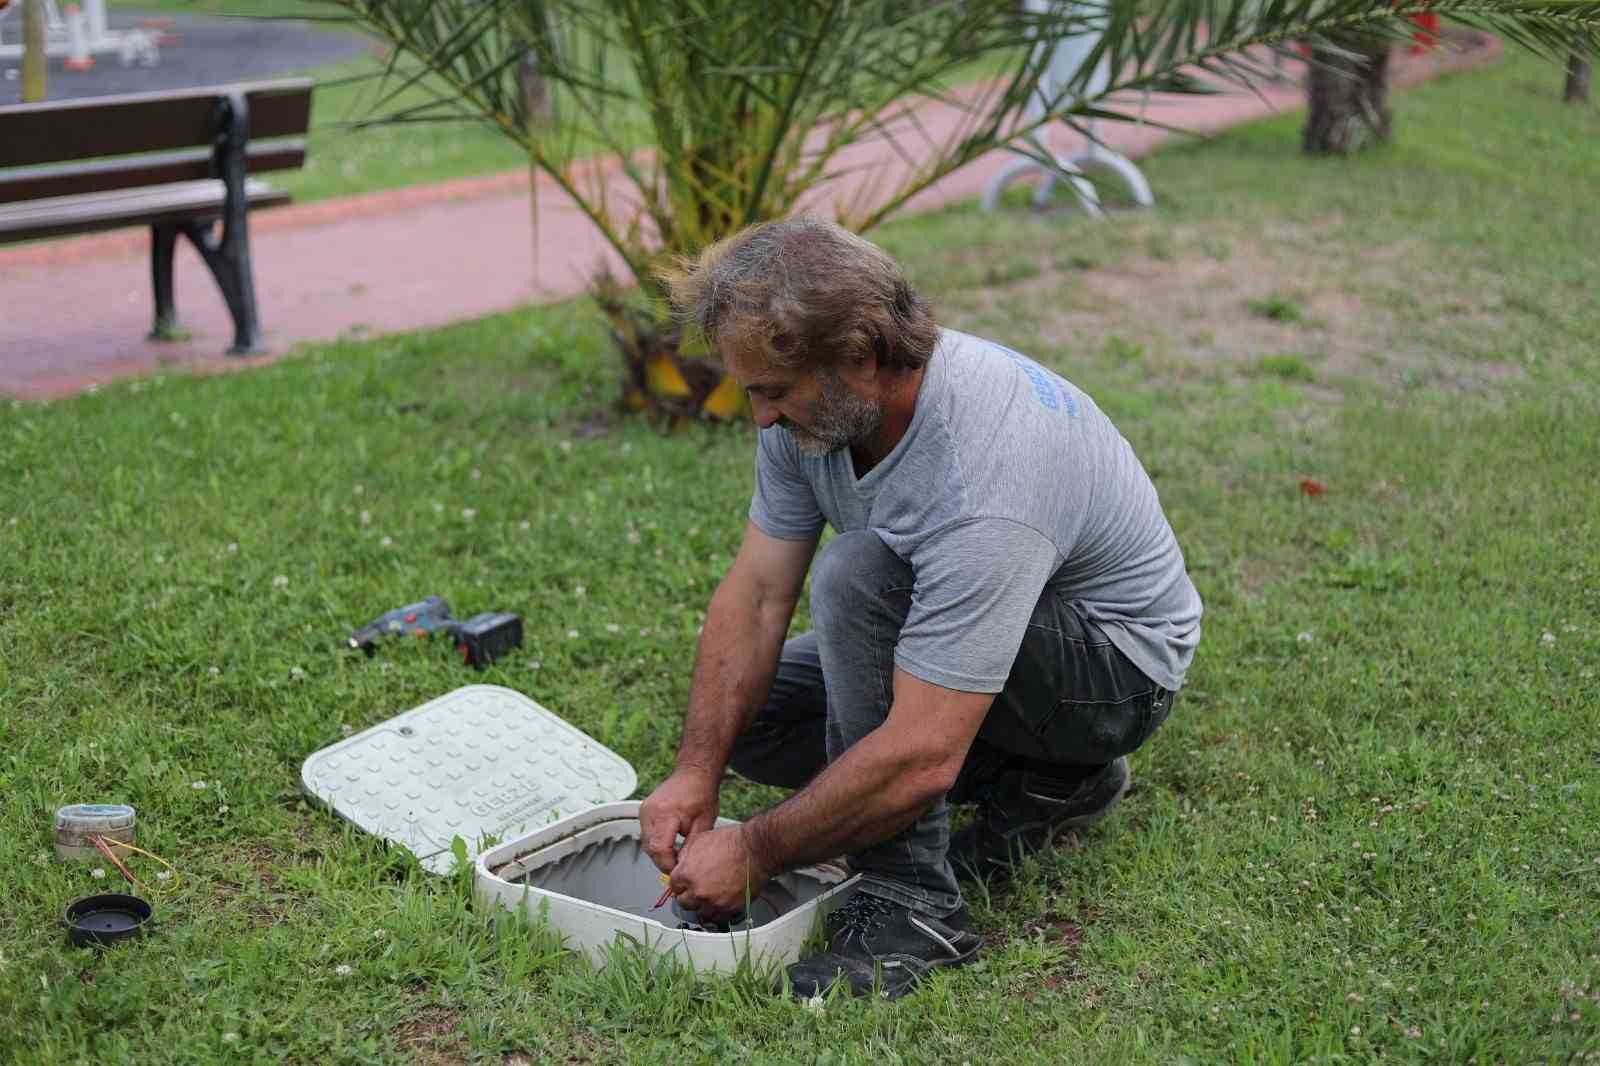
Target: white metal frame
(1065, 61)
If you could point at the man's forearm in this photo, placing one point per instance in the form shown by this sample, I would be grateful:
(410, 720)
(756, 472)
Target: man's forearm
(875, 789)
(734, 667)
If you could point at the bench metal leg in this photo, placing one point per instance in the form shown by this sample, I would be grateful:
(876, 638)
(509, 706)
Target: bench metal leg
(227, 253)
(228, 257)
(163, 243)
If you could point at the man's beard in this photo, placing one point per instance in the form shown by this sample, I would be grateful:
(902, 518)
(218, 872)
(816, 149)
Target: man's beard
(839, 419)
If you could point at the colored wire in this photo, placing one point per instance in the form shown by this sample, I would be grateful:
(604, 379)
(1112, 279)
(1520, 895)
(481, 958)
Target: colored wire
(104, 846)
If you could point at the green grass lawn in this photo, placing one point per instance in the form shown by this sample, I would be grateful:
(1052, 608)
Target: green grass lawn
(1368, 832)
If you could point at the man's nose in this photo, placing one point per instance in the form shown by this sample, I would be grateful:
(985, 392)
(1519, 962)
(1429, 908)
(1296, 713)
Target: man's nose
(765, 411)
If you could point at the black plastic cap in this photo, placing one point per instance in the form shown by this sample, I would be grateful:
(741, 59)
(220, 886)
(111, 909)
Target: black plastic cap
(100, 921)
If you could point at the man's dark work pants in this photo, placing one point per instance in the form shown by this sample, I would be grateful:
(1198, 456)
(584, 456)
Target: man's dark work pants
(1073, 701)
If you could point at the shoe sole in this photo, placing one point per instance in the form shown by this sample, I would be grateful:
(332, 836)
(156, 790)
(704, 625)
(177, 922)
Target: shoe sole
(1083, 821)
(1001, 872)
(937, 964)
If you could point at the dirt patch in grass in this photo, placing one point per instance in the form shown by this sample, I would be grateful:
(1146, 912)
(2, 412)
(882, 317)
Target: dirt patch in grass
(257, 891)
(1057, 929)
(432, 1037)
(567, 1046)
(1287, 301)
(1255, 574)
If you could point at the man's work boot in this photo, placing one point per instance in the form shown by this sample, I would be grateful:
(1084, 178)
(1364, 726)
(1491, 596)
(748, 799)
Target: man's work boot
(1025, 810)
(877, 944)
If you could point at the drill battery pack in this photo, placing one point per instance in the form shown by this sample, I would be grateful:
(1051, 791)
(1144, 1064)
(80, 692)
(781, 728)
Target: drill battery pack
(483, 638)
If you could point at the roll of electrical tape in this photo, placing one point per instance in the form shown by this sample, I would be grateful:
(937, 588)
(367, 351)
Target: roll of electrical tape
(76, 823)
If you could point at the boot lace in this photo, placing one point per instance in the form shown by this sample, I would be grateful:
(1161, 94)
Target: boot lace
(861, 914)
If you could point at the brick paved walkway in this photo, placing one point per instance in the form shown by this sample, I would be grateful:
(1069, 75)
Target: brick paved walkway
(74, 312)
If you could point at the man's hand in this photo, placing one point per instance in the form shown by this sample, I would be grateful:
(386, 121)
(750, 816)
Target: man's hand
(684, 804)
(717, 874)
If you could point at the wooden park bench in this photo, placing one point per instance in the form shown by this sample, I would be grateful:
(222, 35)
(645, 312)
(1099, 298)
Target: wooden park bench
(176, 161)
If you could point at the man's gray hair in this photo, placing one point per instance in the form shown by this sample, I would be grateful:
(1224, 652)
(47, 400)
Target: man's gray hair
(808, 294)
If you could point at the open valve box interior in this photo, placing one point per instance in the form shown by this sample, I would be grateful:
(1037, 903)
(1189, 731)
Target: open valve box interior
(486, 763)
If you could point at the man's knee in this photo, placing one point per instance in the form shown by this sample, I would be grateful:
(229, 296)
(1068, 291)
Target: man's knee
(853, 570)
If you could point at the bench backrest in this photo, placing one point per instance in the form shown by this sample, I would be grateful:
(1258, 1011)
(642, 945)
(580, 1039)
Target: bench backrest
(46, 143)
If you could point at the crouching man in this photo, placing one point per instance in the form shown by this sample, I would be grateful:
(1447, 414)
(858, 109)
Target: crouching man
(1002, 617)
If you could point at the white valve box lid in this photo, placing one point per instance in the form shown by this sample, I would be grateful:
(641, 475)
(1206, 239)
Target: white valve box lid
(480, 763)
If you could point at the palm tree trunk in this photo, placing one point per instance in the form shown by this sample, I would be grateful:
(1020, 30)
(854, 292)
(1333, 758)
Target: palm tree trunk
(1578, 76)
(1348, 95)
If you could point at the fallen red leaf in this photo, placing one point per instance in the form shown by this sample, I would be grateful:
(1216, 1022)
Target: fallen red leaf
(1310, 486)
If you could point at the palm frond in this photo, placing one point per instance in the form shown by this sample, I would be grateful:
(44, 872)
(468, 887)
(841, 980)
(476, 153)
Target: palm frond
(746, 109)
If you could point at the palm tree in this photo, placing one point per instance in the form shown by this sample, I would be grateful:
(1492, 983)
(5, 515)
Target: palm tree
(716, 114)
(1579, 74)
(1347, 93)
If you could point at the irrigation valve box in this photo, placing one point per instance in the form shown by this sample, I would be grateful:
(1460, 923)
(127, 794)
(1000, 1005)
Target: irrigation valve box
(485, 763)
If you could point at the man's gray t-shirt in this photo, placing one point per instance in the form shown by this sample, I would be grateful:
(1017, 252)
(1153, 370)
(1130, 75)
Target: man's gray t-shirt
(1008, 480)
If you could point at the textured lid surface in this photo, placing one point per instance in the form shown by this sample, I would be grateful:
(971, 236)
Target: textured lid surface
(480, 762)
(95, 817)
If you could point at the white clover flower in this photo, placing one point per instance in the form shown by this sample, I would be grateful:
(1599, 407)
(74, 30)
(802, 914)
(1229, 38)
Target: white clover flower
(476, 474)
(525, 525)
(98, 873)
(233, 547)
(535, 664)
(385, 542)
(342, 970)
(366, 518)
(223, 809)
(572, 634)
(612, 627)
(198, 786)
(633, 536)
(345, 729)
(469, 513)
(214, 671)
(579, 590)
(281, 581)
(565, 445)
(1548, 639)
(163, 875)
(1305, 636)
(380, 934)
(230, 1038)
(816, 1006)
(1355, 1030)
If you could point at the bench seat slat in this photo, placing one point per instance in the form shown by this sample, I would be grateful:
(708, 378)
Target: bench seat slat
(72, 179)
(59, 215)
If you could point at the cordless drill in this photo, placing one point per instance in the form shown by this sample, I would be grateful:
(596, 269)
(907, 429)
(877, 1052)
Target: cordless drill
(481, 639)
